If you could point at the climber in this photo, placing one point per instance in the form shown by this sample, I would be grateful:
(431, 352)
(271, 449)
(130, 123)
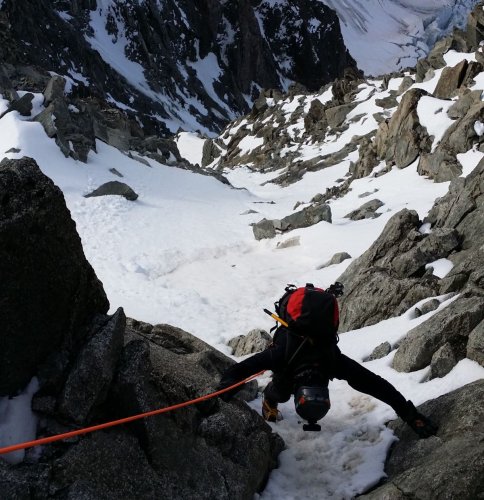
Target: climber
(304, 356)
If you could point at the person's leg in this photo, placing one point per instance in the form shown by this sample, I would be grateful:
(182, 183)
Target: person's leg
(279, 390)
(363, 380)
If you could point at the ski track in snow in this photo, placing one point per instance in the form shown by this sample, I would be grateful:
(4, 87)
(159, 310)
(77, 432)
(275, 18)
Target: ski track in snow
(184, 254)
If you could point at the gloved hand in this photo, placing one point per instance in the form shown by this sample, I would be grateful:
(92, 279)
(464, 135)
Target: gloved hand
(422, 425)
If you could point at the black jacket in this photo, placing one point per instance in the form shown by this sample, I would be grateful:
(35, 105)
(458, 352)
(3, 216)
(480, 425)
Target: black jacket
(288, 355)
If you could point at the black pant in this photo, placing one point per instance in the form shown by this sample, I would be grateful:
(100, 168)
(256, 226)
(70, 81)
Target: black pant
(344, 368)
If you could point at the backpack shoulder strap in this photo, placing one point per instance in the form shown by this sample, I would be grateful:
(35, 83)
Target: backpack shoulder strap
(281, 305)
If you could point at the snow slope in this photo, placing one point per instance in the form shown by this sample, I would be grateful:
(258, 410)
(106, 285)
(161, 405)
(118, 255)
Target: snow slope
(389, 35)
(184, 254)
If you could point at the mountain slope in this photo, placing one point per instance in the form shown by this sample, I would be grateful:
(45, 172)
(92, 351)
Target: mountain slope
(185, 251)
(390, 35)
(176, 63)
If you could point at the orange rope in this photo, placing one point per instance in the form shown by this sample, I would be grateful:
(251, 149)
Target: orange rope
(78, 432)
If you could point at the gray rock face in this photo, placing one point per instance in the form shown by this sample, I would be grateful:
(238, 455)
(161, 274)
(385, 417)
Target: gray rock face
(395, 264)
(335, 116)
(337, 258)
(366, 211)
(475, 22)
(167, 41)
(451, 325)
(475, 345)
(463, 104)
(407, 82)
(233, 446)
(254, 341)
(306, 217)
(460, 205)
(380, 351)
(22, 104)
(436, 245)
(387, 102)
(315, 120)
(474, 69)
(461, 136)
(73, 131)
(450, 80)
(114, 188)
(89, 380)
(443, 360)
(435, 59)
(93, 368)
(40, 252)
(462, 208)
(381, 283)
(264, 229)
(429, 306)
(210, 152)
(106, 464)
(54, 90)
(367, 160)
(441, 165)
(446, 466)
(149, 376)
(403, 139)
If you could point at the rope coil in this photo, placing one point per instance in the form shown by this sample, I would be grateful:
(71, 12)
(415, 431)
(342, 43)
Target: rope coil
(106, 425)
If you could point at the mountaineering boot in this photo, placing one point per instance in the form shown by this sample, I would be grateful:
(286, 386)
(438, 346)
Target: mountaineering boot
(270, 411)
(422, 425)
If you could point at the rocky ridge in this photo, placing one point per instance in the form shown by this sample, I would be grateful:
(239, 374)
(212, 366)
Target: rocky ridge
(172, 64)
(93, 368)
(371, 124)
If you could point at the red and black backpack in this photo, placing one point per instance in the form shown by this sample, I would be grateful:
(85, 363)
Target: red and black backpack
(311, 312)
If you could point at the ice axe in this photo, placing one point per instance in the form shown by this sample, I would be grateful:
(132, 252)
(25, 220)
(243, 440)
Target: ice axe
(276, 317)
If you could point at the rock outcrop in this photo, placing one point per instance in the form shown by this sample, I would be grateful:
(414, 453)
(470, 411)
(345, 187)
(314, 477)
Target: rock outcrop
(255, 341)
(178, 63)
(448, 465)
(114, 188)
(337, 258)
(451, 327)
(462, 209)
(390, 276)
(306, 217)
(403, 138)
(49, 291)
(367, 211)
(380, 351)
(93, 368)
(395, 264)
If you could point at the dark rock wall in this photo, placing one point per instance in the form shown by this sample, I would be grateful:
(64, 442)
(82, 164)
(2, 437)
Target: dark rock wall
(312, 40)
(393, 268)
(49, 292)
(255, 46)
